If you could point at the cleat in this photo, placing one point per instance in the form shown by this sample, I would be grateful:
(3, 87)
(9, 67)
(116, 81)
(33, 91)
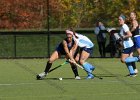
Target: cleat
(133, 75)
(77, 77)
(90, 77)
(136, 71)
(41, 76)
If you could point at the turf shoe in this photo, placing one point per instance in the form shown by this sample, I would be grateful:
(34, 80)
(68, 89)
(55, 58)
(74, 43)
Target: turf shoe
(136, 71)
(77, 77)
(90, 76)
(133, 75)
(41, 76)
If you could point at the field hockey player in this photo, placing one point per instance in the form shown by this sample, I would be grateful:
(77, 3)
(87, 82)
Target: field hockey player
(67, 47)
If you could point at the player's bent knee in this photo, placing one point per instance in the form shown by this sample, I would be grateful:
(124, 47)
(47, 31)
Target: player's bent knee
(50, 61)
(123, 60)
(81, 62)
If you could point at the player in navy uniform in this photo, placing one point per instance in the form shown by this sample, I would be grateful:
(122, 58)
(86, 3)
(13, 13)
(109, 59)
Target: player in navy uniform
(68, 48)
(136, 36)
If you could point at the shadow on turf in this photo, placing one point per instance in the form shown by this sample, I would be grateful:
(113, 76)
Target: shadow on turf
(107, 75)
(58, 78)
(83, 77)
(68, 78)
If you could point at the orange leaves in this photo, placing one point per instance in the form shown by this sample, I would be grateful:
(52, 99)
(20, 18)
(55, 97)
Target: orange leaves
(22, 14)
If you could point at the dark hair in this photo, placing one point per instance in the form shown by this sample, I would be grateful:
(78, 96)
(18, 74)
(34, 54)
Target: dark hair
(134, 12)
(71, 29)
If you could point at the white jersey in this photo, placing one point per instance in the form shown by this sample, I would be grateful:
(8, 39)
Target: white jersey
(127, 43)
(83, 41)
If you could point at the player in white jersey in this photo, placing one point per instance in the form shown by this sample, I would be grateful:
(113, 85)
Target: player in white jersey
(86, 46)
(136, 38)
(127, 44)
(83, 41)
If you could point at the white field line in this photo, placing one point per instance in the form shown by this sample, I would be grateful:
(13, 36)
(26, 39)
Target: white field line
(7, 84)
(63, 95)
(63, 81)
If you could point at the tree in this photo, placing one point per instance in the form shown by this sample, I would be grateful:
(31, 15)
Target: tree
(32, 14)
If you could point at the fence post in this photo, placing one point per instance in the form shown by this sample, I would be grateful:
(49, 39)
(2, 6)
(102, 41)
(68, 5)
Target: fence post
(15, 51)
(48, 27)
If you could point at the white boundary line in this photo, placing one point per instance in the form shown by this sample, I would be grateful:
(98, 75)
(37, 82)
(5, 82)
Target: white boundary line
(74, 82)
(83, 96)
(18, 84)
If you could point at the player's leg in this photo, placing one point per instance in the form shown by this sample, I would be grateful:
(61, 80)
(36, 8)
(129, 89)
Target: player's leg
(128, 64)
(75, 71)
(131, 59)
(87, 66)
(134, 64)
(55, 55)
(74, 67)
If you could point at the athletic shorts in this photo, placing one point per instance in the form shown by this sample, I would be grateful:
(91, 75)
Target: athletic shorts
(60, 50)
(137, 42)
(88, 50)
(128, 50)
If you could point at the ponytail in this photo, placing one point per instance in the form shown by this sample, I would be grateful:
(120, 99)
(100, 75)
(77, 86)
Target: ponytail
(74, 33)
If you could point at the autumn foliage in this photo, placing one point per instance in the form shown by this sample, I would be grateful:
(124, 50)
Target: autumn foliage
(32, 14)
(22, 14)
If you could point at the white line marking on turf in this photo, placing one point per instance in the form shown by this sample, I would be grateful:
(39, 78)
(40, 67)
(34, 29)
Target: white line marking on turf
(8, 84)
(82, 96)
(65, 82)
(19, 84)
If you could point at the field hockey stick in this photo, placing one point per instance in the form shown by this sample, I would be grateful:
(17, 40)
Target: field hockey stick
(85, 69)
(59, 66)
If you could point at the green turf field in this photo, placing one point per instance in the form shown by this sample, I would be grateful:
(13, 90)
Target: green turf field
(17, 81)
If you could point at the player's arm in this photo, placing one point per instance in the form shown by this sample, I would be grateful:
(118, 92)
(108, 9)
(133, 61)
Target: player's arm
(73, 49)
(127, 31)
(129, 34)
(135, 25)
(67, 51)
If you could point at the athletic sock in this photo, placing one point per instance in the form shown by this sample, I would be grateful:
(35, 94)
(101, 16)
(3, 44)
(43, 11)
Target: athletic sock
(130, 68)
(48, 66)
(91, 66)
(133, 65)
(88, 67)
(131, 59)
(74, 69)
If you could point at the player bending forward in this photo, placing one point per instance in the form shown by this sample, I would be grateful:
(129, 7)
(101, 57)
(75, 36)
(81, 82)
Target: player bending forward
(86, 46)
(67, 47)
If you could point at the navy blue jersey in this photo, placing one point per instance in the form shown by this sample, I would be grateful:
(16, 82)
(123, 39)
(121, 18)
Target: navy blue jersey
(60, 47)
(136, 31)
